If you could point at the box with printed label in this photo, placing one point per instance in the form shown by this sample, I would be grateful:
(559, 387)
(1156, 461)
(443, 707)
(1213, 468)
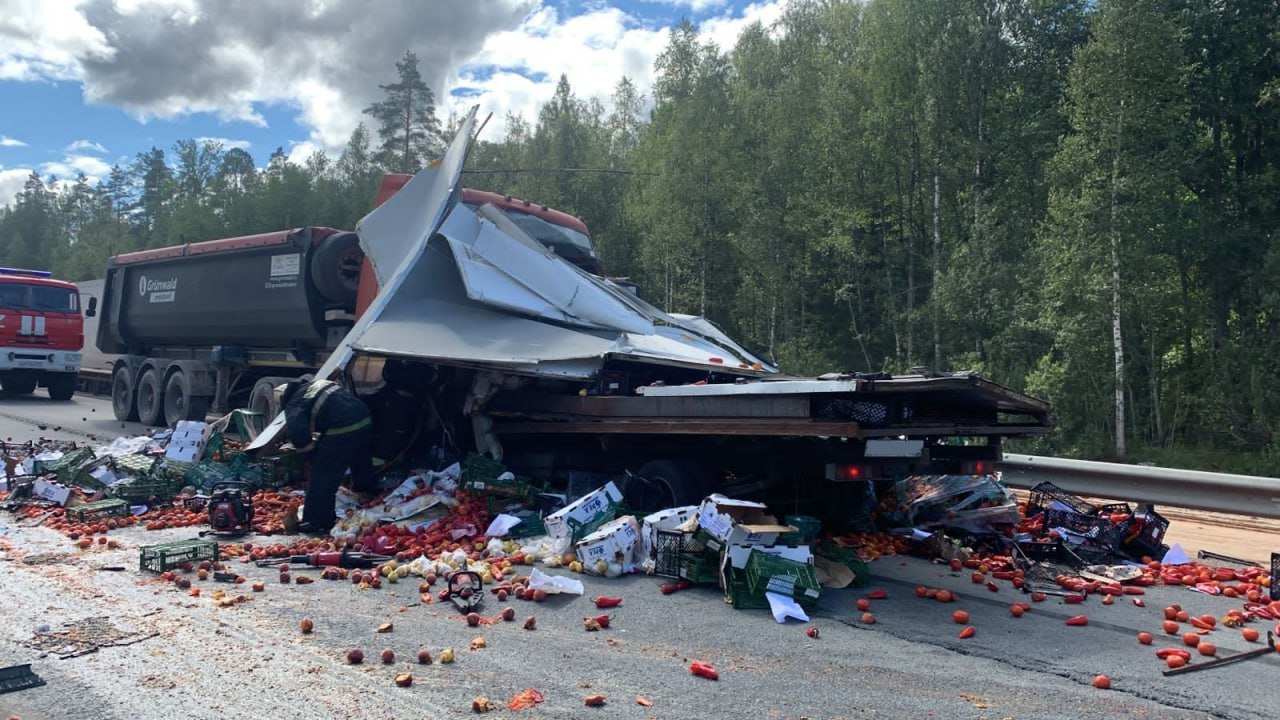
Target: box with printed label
(615, 544)
(51, 491)
(584, 515)
(739, 521)
(669, 519)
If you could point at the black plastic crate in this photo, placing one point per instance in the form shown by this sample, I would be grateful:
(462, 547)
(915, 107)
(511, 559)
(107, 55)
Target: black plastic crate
(1050, 551)
(668, 548)
(1045, 494)
(1113, 509)
(18, 677)
(1096, 530)
(1146, 533)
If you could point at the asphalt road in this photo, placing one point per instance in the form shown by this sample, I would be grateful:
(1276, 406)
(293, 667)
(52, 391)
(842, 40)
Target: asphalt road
(191, 659)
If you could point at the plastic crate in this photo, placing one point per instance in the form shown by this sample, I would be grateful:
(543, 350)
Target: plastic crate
(1045, 494)
(279, 471)
(807, 529)
(668, 547)
(1097, 530)
(1050, 551)
(135, 465)
(768, 573)
(1146, 533)
(73, 469)
(159, 558)
(1113, 509)
(849, 558)
(143, 490)
(98, 509)
(738, 592)
(529, 526)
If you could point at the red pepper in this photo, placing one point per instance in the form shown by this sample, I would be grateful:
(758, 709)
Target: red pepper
(878, 594)
(1139, 602)
(1163, 653)
(669, 588)
(601, 620)
(1077, 620)
(1111, 590)
(1201, 624)
(701, 669)
(1073, 599)
(603, 602)
(1134, 591)
(1002, 574)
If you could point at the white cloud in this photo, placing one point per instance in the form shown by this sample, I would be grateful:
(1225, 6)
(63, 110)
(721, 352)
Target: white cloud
(595, 50)
(73, 164)
(11, 182)
(6, 141)
(696, 6)
(226, 143)
(47, 40)
(169, 58)
(85, 145)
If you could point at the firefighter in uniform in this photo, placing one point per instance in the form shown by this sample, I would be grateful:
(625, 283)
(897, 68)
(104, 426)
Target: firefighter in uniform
(332, 424)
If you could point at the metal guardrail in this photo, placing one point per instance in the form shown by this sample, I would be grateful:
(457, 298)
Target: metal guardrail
(1215, 492)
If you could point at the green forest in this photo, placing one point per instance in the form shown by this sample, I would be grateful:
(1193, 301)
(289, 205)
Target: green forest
(1076, 198)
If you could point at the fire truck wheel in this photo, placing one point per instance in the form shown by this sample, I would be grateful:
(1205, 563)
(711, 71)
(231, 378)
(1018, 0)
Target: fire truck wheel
(61, 386)
(18, 384)
(150, 398)
(124, 399)
(662, 484)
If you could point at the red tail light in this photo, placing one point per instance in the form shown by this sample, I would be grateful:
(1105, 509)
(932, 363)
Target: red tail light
(848, 472)
(979, 467)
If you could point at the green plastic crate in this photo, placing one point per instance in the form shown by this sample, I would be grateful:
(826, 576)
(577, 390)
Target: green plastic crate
(738, 591)
(142, 490)
(73, 469)
(98, 509)
(167, 556)
(135, 465)
(767, 573)
(807, 529)
(847, 557)
(530, 526)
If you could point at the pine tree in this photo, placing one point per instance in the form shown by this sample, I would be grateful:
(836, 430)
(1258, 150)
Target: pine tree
(407, 125)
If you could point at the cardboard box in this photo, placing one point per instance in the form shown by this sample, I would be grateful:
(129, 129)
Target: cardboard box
(188, 441)
(51, 491)
(739, 522)
(584, 515)
(617, 542)
(735, 558)
(669, 519)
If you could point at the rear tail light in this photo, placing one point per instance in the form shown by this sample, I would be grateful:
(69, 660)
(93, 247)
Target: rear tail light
(850, 472)
(978, 467)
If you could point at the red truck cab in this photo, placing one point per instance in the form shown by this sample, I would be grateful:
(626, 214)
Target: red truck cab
(41, 333)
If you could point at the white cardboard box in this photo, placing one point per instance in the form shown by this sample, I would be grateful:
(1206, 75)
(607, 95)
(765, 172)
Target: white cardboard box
(739, 522)
(51, 491)
(669, 519)
(184, 451)
(617, 542)
(585, 510)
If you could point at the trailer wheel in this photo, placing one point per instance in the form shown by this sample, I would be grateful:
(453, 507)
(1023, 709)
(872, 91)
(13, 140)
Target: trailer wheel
(178, 402)
(335, 268)
(150, 398)
(124, 398)
(262, 399)
(18, 384)
(61, 386)
(662, 484)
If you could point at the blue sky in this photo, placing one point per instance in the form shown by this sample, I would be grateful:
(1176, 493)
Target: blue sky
(85, 84)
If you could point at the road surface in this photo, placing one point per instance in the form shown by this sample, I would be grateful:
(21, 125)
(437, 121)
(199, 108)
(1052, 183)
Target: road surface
(180, 656)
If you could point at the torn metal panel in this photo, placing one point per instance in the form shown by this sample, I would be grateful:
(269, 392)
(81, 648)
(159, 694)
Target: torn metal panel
(394, 235)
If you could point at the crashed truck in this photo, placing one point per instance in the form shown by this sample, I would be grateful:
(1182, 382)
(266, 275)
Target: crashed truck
(535, 358)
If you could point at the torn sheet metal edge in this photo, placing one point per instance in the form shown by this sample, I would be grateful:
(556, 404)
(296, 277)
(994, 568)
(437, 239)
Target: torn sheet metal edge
(440, 180)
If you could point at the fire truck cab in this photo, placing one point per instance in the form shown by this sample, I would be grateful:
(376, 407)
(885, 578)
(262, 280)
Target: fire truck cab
(41, 333)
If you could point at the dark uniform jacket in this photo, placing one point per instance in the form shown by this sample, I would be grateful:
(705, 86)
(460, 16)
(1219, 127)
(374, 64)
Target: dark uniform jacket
(324, 407)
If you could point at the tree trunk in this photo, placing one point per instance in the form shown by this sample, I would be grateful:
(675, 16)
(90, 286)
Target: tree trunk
(1117, 340)
(937, 267)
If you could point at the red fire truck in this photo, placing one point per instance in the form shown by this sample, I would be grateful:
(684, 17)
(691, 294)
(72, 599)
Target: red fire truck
(41, 333)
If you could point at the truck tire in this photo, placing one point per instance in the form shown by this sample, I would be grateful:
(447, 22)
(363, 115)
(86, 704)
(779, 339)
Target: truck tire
(179, 404)
(150, 398)
(262, 399)
(662, 484)
(61, 386)
(18, 383)
(335, 268)
(124, 397)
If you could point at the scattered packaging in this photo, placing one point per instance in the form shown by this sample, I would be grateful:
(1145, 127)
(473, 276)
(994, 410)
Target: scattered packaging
(728, 521)
(584, 515)
(612, 550)
(670, 519)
